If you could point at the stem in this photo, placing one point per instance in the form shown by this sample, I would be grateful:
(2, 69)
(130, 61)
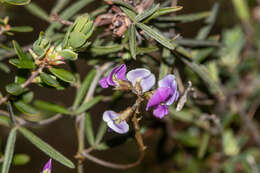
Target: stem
(34, 75)
(80, 120)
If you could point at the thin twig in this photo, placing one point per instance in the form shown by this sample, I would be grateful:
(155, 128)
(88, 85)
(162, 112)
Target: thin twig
(34, 75)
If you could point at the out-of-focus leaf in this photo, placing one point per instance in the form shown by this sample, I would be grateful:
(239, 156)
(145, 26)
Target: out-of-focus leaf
(67, 14)
(81, 92)
(164, 70)
(213, 70)
(4, 121)
(103, 50)
(209, 21)
(132, 40)
(204, 145)
(9, 150)
(4, 68)
(185, 17)
(146, 13)
(101, 132)
(163, 11)
(230, 144)
(197, 43)
(25, 108)
(156, 35)
(205, 76)
(233, 41)
(85, 106)
(14, 89)
(124, 4)
(21, 29)
(18, 2)
(59, 5)
(89, 129)
(37, 11)
(51, 107)
(27, 97)
(49, 80)
(46, 148)
(242, 9)
(144, 50)
(21, 159)
(63, 74)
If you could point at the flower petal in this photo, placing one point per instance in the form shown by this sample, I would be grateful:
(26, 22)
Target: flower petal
(109, 116)
(47, 167)
(119, 72)
(173, 98)
(168, 81)
(103, 82)
(160, 111)
(146, 78)
(160, 96)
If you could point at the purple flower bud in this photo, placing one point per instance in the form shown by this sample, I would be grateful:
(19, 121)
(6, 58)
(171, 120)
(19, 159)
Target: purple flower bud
(110, 118)
(166, 94)
(47, 167)
(142, 75)
(118, 73)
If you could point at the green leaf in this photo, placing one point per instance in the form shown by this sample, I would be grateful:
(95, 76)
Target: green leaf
(85, 106)
(185, 17)
(68, 54)
(18, 2)
(204, 145)
(101, 132)
(124, 4)
(163, 11)
(67, 14)
(49, 80)
(59, 5)
(103, 50)
(21, 159)
(51, 107)
(25, 108)
(156, 35)
(36, 10)
(81, 92)
(132, 40)
(242, 9)
(230, 145)
(21, 29)
(63, 74)
(4, 121)
(4, 68)
(205, 76)
(9, 150)
(144, 50)
(14, 89)
(147, 13)
(129, 13)
(77, 39)
(27, 97)
(46, 148)
(89, 129)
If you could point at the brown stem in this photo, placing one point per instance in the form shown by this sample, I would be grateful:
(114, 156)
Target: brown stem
(34, 75)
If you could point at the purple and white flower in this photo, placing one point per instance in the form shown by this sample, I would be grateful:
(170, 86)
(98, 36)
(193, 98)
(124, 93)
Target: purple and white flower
(110, 118)
(143, 76)
(47, 167)
(118, 73)
(165, 95)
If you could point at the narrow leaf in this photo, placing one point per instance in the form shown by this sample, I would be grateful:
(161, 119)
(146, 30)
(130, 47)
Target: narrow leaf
(103, 50)
(46, 148)
(18, 2)
(36, 10)
(21, 29)
(49, 80)
(84, 107)
(81, 92)
(147, 13)
(51, 107)
(129, 13)
(59, 6)
(25, 108)
(132, 40)
(89, 129)
(63, 74)
(156, 35)
(9, 151)
(124, 4)
(101, 132)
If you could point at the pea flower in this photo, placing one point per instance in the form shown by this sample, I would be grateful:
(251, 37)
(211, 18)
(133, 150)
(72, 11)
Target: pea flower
(118, 73)
(164, 96)
(143, 76)
(47, 167)
(110, 117)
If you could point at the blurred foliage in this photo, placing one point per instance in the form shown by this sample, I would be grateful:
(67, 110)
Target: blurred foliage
(216, 131)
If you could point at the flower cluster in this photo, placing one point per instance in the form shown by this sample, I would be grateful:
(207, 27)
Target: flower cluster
(140, 81)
